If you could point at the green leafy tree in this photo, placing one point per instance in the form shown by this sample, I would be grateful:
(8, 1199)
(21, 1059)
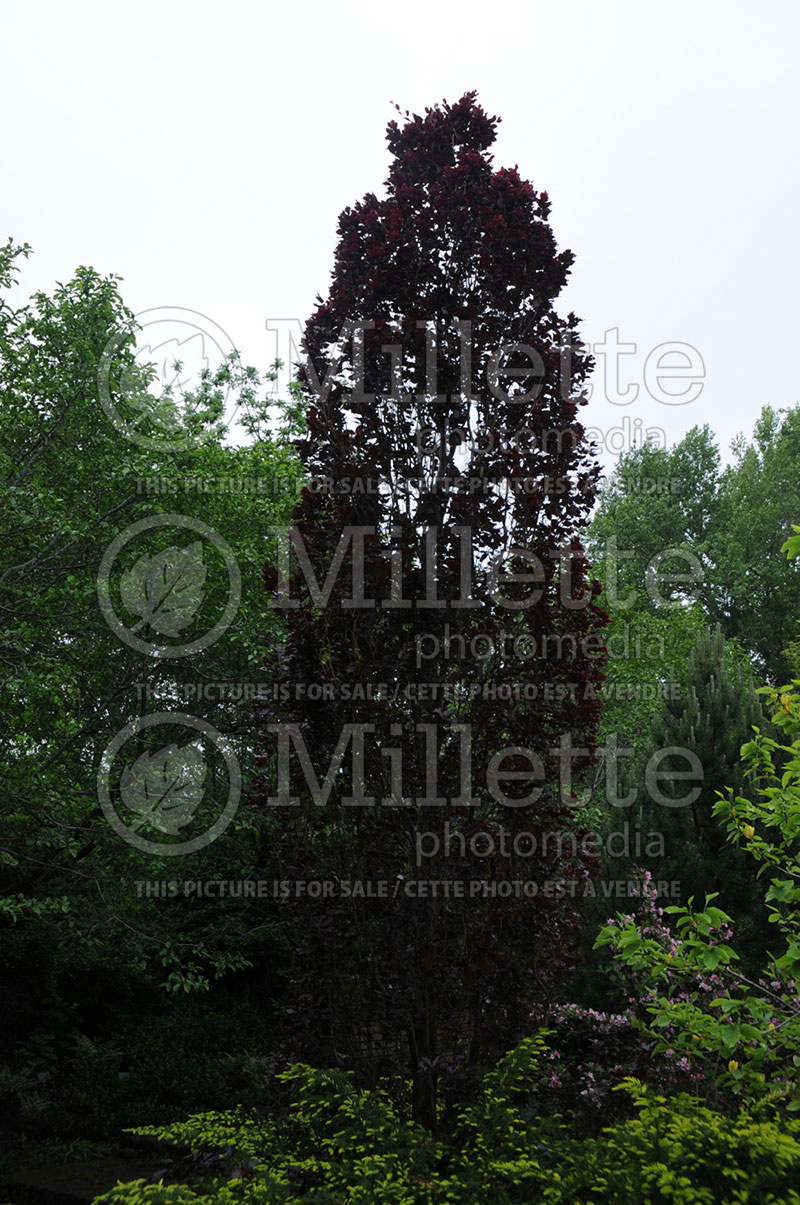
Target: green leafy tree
(676, 513)
(758, 591)
(70, 485)
(653, 522)
(657, 502)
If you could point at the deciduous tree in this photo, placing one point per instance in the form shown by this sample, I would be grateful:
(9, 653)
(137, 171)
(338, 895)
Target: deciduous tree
(460, 640)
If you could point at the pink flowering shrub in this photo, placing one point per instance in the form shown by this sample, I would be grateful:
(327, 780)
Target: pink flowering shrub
(595, 1051)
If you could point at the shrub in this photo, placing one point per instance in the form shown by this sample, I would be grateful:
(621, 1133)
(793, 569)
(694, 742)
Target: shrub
(340, 1144)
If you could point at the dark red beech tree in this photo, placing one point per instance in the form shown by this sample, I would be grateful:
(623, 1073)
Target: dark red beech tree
(436, 696)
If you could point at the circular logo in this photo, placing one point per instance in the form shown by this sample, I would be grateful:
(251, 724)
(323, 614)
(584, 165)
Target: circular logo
(177, 350)
(162, 593)
(163, 788)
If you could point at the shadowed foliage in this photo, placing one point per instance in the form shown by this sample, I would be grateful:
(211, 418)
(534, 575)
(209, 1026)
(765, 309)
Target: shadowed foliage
(460, 637)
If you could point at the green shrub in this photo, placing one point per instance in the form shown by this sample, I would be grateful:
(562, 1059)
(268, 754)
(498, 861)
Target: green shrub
(338, 1144)
(677, 1150)
(341, 1144)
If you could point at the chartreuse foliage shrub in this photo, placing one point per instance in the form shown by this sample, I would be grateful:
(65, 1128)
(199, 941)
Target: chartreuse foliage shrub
(338, 1144)
(678, 1150)
(342, 1144)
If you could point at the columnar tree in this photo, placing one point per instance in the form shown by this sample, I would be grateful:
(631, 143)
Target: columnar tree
(444, 651)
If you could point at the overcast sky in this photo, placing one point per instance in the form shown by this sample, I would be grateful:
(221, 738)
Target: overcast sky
(204, 151)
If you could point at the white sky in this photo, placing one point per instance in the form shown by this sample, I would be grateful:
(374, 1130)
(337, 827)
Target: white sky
(204, 152)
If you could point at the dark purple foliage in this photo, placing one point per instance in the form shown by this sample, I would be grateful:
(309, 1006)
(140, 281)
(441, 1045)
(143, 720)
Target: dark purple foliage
(463, 476)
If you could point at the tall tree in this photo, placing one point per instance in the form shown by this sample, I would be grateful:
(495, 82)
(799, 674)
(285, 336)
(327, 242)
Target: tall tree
(460, 641)
(759, 591)
(70, 485)
(656, 513)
